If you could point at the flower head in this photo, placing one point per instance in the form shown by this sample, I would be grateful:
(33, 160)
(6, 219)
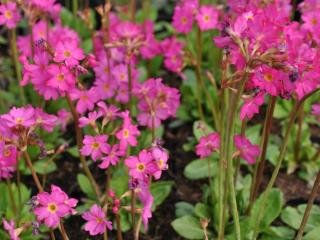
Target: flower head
(9, 226)
(207, 18)
(247, 150)
(112, 157)
(68, 52)
(9, 14)
(95, 146)
(208, 144)
(128, 132)
(96, 221)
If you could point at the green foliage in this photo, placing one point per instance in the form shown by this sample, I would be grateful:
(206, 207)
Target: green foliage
(85, 185)
(198, 169)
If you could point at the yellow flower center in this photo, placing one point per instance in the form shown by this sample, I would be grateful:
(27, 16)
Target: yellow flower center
(8, 14)
(95, 145)
(52, 207)
(7, 153)
(60, 77)
(314, 21)
(140, 167)
(19, 120)
(67, 54)
(126, 133)
(206, 18)
(106, 86)
(184, 20)
(122, 77)
(99, 220)
(268, 77)
(106, 69)
(160, 163)
(84, 97)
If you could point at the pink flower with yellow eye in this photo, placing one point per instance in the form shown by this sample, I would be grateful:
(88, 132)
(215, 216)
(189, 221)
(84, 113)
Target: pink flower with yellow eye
(207, 18)
(95, 146)
(68, 52)
(9, 15)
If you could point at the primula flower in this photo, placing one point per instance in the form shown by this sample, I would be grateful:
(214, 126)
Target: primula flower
(61, 78)
(128, 132)
(147, 200)
(8, 160)
(161, 157)
(69, 52)
(247, 150)
(63, 118)
(9, 226)
(95, 146)
(182, 19)
(208, 144)
(44, 120)
(19, 117)
(316, 110)
(141, 166)
(96, 221)
(86, 99)
(112, 157)
(90, 120)
(251, 106)
(53, 206)
(207, 18)
(110, 112)
(9, 14)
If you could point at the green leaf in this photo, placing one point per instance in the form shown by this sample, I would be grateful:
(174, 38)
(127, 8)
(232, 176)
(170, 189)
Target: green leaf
(184, 208)
(312, 235)
(281, 232)
(271, 210)
(119, 181)
(188, 227)
(160, 191)
(291, 217)
(198, 169)
(45, 167)
(85, 185)
(73, 151)
(202, 210)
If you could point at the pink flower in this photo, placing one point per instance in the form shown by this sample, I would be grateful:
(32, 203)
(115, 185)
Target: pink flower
(90, 120)
(69, 52)
(141, 166)
(128, 132)
(63, 118)
(161, 157)
(9, 226)
(207, 18)
(44, 120)
(61, 78)
(147, 200)
(247, 150)
(86, 99)
(9, 14)
(112, 157)
(8, 160)
(316, 110)
(19, 117)
(95, 146)
(96, 221)
(53, 206)
(208, 144)
(110, 112)
(182, 19)
(251, 106)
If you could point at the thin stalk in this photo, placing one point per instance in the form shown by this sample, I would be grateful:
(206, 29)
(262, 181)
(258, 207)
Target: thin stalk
(53, 237)
(298, 137)
(137, 231)
(86, 169)
(63, 231)
(311, 199)
(11, 196)
(15, 61)
(75, 7)
(105, 235)
(221, 177)
(133, 206)
(232, 109)
(259, 169)
(283, 149)
(243, 133)
(118, 222)
(133, 6)
(315, 156)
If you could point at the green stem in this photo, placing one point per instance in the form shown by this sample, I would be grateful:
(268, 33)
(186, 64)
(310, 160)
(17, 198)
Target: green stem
(84, 164)
(75, 7)
(243, 133)
(259, 169)
(15, 61)
(298, 137)
(283, 148)
(11, 196)
(133, 214)
(309, 206)
(133, 6)
(130, 86)
(118, 222)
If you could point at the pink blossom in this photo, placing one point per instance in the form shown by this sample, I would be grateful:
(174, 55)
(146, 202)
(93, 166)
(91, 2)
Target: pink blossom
(251, 106)
(86, 99)
(147, 200)
(9, 226)
(141, 166)
(44, 120)
(63, 118)
(247, 150)
(110, 112)
(9, 14)
(316, 110)
(161, 157)
(112, 157)
(61, 78)
(207, 18)
(69, 52)
(96, 221)
(8, 160)
(127, 30)
(90, 120)
(19, 117)
(182, 19)
(53, 206)
(95, 146)
(128, 132)
(105, 88)
(208, 144)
